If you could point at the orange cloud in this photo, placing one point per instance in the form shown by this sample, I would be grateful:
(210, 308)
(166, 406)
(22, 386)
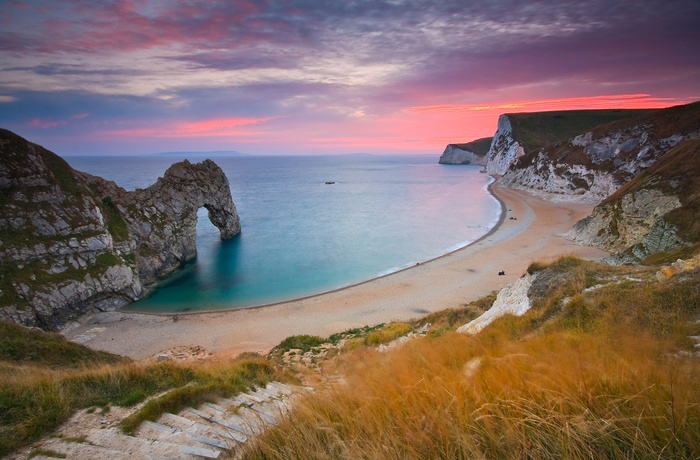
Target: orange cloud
(616, 101)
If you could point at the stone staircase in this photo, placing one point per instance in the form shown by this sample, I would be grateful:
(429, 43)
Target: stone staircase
(209, 431)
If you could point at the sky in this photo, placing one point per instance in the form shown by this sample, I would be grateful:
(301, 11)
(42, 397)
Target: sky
(327, 76)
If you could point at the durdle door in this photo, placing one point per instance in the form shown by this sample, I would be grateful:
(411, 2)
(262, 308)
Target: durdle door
(71, 243)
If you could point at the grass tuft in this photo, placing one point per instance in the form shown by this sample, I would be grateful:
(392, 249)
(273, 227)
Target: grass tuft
(300, 342)
(387, 333)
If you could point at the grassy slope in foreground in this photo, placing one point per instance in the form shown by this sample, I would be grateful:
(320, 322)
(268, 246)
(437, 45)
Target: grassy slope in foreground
(600, 367)
(44, 379)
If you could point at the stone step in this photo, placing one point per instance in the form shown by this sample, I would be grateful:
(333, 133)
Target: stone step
(246, 419)
(82, 451)
(160, 432)
(263, 394)
(240, 423)
(146, 448)
(214, 407)
(280, 387)
(285, 405)
(225, 421)
(195, 426)
(269, 409)
(271, 392)
(209, 431)
(256, 413)
(272, 410)
(247, 398)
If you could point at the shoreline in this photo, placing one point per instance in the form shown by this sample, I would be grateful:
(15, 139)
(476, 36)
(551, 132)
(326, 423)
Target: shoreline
(528, 229)
(498, 223)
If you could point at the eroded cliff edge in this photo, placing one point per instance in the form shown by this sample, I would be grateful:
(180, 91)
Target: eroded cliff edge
(71, 243)
(587, 165)
(471, 153)
(656, 215)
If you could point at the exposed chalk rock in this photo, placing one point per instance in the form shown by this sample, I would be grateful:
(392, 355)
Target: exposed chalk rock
(512, 299)
(592, 165)
(655, 212)
(472, 153)
(504, 148)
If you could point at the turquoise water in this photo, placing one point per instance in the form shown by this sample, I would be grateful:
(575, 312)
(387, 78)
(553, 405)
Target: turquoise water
(301, 236)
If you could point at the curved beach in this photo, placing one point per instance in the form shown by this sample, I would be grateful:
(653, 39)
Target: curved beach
(530, 229)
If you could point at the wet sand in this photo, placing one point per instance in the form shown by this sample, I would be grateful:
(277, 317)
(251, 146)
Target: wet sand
(529, 230)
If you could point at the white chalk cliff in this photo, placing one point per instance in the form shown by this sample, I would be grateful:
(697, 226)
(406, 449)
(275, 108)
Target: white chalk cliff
(504, 148)
(591, 166)
(456, 155)
(653, 213)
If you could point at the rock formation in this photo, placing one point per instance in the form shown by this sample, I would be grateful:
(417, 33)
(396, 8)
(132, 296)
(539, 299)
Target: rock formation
(525, 133)
(511, 300)
(473, 153)
(593, 164)
(71, 242)
(657, 212)
(504, 148)
(588, 155)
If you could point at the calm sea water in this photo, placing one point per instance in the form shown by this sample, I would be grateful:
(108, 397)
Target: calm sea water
(301, 236)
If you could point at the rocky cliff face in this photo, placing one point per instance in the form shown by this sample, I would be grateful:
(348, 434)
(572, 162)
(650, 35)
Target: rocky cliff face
(71, 243)
(657, 212)
(592, 165)
(473, 153)
(524, 133)
(504, 148)
(453, 155)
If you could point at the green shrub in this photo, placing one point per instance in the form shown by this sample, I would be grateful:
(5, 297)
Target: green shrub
(300, 342)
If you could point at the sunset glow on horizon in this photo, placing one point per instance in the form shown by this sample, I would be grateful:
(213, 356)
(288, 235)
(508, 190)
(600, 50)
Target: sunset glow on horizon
(307, 77)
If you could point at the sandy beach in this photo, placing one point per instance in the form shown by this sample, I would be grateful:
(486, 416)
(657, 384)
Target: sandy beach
(530, 229)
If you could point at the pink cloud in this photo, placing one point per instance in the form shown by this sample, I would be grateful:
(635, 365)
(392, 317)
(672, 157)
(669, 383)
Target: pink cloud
(133, 25)
(45, 124)
(427, 129)
(205, 128)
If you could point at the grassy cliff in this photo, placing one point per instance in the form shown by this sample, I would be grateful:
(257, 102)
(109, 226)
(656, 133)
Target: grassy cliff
(539, 129)
(602, 366)
(478, 146)
(44, 379)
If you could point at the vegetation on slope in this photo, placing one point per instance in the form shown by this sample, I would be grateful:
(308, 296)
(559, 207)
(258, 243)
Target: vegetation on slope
(540, 129)
(22, 346)
(664, 122)
(677, 172)
(601, 367)
(478, 146)
(44, 379)
(545, 130)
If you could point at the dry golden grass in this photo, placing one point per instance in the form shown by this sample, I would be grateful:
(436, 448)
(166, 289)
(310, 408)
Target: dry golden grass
(35, 400)
(604, 377)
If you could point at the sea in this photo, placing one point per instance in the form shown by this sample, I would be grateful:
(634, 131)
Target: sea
(312, 224)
